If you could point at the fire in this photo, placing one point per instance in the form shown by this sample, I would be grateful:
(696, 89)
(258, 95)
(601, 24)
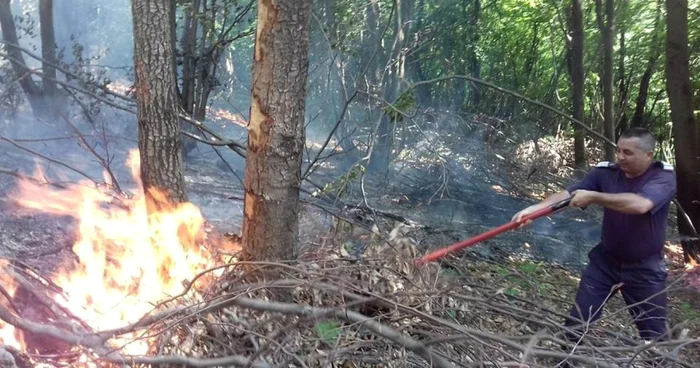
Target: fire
(8, 334)
(128, 260)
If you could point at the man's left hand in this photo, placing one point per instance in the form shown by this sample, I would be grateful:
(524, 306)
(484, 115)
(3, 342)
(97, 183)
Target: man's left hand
(582, 198)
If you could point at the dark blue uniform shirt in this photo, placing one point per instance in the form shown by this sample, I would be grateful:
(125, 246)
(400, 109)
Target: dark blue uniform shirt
(626, 237)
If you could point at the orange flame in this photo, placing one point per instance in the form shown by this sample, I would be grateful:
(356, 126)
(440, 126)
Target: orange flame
(129, 260)
(8, 335)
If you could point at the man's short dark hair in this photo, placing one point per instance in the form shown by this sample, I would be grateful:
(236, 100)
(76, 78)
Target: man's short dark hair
(647, 139)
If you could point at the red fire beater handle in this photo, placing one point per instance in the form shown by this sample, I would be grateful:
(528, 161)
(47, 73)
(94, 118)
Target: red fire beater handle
(491, 233)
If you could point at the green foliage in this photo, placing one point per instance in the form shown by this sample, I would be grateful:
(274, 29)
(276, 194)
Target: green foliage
(511, 291)
(342, 186)
(529, 268)
(516, 44)
(520, 45)
(688, 312)
(404, 103)
(328, 331)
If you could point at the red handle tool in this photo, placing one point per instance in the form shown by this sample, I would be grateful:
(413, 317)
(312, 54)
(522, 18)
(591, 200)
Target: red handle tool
(432, 256)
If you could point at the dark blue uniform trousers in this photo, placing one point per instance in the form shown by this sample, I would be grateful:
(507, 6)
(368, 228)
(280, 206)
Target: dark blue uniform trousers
(642, 285)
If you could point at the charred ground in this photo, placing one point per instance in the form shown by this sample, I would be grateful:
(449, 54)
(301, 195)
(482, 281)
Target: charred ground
(360, 245)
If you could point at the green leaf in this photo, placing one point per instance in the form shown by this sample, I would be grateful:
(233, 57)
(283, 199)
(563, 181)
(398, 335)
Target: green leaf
(328, 331)
(511, 291)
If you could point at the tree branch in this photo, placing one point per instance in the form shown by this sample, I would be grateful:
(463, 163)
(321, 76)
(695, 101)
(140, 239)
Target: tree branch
(12, 142)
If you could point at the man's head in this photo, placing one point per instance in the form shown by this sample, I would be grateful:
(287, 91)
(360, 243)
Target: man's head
(635, 151)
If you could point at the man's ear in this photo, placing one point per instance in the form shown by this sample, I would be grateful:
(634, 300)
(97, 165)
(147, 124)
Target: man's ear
(650, 155)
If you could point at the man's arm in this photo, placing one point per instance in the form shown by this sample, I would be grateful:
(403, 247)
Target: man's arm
(629, 203)
(655, 193)
(590, 182)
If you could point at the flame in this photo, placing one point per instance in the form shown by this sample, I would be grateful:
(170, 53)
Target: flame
(129, 260)
(8, 335)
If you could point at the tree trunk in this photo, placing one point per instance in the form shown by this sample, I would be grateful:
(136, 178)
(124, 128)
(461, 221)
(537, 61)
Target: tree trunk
(607, 30)
(160, 143)
(276, 131)
(642, 96)
(423, 93)
(382, 152)
(189, 67)
(532, 56)
(188, 42)
(474, 94)
(685, 132)
(622, 86)
(654, 53)
(577, 80)
(9, 34)
(48, 49)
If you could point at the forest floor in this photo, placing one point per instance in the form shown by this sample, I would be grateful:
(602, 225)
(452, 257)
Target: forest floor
(498, 304)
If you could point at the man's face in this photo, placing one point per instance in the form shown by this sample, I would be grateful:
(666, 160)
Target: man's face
(632, 157)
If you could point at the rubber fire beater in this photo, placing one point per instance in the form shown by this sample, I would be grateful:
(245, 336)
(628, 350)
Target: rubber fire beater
(433, 256)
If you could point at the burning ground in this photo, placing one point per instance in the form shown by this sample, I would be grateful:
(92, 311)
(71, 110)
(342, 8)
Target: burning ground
(90, 284)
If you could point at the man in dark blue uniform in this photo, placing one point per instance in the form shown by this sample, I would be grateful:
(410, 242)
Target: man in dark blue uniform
(636, 193)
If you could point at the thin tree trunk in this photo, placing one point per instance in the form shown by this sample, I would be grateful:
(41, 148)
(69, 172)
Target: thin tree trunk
(188, 42)
(423, 94)
(577, 80)
(459, 86)
(687, 141)
(9, 34)
(607, 30)
(622, 86)
(654, 54)
(382, 152)
(48, 47)
(160, 142)
(474, 94)
(190, 63)
(533, 56)
(276, 131)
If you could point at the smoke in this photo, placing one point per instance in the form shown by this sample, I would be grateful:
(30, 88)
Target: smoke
(445, 167)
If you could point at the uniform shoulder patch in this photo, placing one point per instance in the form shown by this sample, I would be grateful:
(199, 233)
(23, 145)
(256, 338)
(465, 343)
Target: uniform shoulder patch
(666, 166)
(605, 164)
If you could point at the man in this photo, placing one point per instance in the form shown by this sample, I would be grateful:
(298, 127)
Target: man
(636, 193)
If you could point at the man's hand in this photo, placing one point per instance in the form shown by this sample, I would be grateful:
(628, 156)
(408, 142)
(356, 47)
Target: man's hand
(527, 211)
(583, 198)
(554, 198)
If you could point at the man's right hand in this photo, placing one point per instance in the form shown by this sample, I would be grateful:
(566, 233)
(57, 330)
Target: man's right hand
(554, 198)
(527, 211)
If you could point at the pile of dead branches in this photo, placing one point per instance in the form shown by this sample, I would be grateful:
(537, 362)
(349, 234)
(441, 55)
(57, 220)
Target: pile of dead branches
(380, 311)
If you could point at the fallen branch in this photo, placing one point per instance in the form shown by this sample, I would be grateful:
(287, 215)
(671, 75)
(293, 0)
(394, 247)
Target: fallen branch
(95, 343)
(350, 316)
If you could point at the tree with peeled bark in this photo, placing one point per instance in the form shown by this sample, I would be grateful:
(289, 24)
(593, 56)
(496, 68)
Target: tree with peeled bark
(276, 131)
(685, 132)
(160, 143)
